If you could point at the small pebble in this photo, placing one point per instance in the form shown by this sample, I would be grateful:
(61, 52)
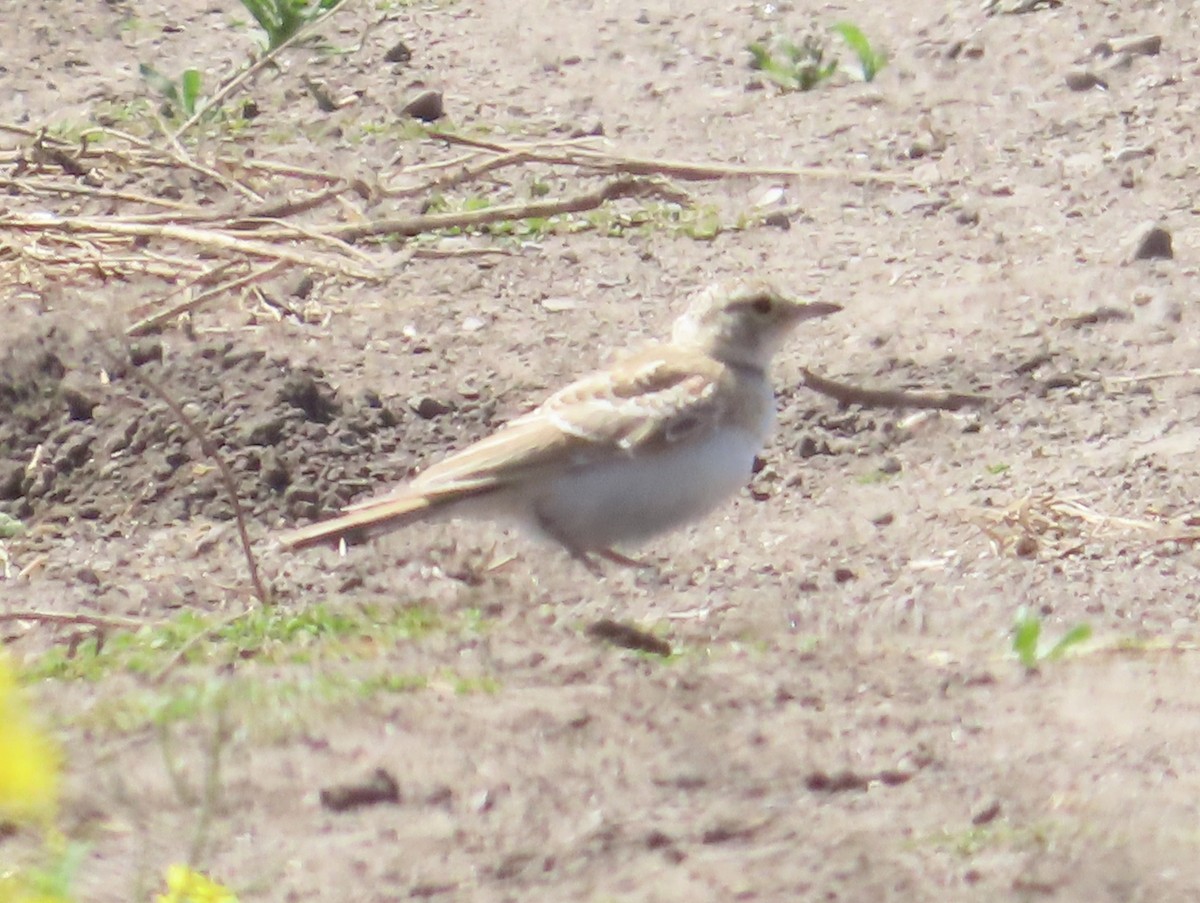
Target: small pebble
(1151, 242)
(426, 106)
(1084, 80)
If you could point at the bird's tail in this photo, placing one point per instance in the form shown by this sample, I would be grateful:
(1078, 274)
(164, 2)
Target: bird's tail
(360, 521)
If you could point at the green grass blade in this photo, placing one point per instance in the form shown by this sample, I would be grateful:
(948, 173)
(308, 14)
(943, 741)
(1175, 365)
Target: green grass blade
(159, 82)
(264, 13)
(869, 60)
(190, 94)
(1026, 633)
(762, 56)
(853, 36)
(1080, 633)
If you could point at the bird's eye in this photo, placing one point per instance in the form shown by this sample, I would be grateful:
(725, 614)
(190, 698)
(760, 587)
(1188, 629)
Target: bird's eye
(762, 306)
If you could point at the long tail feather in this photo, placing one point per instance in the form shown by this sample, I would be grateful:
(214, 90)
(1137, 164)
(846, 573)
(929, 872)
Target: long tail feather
(363, 521)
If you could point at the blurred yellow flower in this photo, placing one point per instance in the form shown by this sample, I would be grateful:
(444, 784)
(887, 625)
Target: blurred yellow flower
(187, 886)
(29, 760)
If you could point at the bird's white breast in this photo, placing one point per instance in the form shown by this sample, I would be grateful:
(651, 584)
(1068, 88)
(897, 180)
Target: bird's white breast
(633, 498)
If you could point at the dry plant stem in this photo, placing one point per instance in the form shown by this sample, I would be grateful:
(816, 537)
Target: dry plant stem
(31, 186)
(206, 238)
(207, 277)
(441, 253)
(296, 231)
(290, 207)
(1153, 377)
(210, 451)
(594, 158)
(253, 69)
(409, 226)
(154, 321)
(890, 398)
(56, 617)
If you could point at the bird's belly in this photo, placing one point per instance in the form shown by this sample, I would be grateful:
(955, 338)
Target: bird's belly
(634, 498)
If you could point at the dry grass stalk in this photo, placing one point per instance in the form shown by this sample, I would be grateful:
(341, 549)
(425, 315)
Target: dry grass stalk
(1051, 526)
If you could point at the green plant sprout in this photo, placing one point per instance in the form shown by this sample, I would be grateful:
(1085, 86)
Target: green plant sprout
(181, 96)
(1027, 634)
(281, 19)
(793, 67)
(803, 66)
(870, 60)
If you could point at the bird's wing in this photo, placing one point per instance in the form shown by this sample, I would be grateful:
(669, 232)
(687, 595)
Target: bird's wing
(646, 402)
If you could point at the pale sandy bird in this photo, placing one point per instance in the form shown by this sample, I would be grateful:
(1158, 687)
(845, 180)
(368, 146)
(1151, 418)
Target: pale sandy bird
(656, 441)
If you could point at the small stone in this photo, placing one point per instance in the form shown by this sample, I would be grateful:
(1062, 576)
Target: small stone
(87, 576)
(592, 128)
(967, 216)
(1136, 45)
(12, 475)
(426, 106)
(559, 304)
(891, 466)
(1151, 242)
(399, 53)
(275, 473)
(145, 351)
(267, 430)
(303, 287)
(1027, 547)
(1084, 80)
(965, 48)
(300, 495)
(80, 402)
(76, 450)
(986, 813)
(428, 408)
(378, 787)
(778, 219)
(844, 575)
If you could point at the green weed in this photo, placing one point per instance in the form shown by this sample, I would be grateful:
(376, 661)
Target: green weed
(793, 67)
(266, 634)
(1027, 634)
(870, 60)
(181, 97)
(281, 19)
(804, 66)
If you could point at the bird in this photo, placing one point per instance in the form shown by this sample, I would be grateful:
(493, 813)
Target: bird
(658, 440)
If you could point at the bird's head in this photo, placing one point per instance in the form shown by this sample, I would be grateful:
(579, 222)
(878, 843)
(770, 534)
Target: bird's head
(743, 322)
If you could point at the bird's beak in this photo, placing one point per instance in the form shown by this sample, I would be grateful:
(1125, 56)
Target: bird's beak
(810, 310)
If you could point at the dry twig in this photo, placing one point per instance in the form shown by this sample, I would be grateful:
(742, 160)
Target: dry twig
(471, 219)
(890, 398)
(213, 454)
(58, 617)
(155, 320)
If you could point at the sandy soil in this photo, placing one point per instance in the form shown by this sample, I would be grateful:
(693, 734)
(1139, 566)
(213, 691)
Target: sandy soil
(842, 718)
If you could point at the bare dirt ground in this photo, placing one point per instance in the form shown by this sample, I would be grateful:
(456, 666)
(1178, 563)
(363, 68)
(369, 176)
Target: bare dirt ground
(842, 718)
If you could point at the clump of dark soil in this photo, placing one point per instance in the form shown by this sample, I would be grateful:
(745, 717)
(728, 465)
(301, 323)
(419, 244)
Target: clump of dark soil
(84, 433)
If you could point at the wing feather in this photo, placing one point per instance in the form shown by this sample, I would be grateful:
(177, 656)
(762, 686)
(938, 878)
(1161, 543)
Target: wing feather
(645, 402)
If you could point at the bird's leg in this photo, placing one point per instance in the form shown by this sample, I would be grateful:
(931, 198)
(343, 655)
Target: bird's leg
(586, 560)
(625, 561)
